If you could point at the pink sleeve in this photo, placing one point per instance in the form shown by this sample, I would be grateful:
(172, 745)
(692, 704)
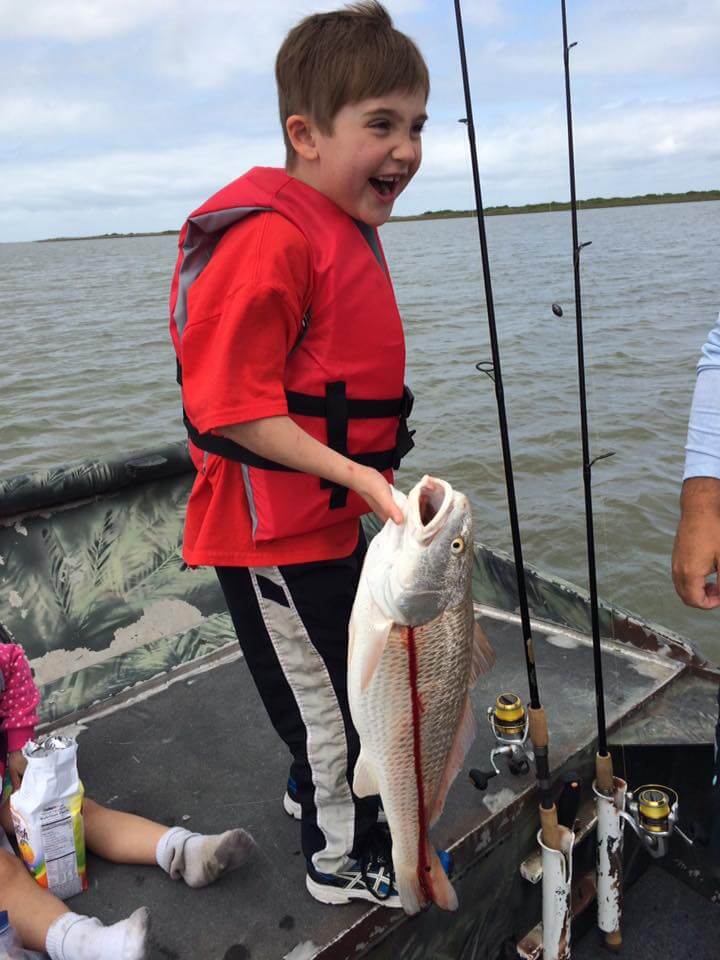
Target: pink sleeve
(19, 698)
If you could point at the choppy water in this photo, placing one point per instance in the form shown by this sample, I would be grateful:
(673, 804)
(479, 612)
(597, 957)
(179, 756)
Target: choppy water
(88, 370)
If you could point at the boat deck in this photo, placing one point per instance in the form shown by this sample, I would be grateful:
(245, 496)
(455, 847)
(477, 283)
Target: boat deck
(200, 752)
(662, 917)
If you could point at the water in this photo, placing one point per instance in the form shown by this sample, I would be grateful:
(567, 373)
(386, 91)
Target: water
(89, 371)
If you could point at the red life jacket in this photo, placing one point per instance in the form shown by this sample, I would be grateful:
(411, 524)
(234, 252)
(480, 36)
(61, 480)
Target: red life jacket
(344, 376)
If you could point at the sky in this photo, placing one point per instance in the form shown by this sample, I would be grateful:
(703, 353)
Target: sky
(124, 116)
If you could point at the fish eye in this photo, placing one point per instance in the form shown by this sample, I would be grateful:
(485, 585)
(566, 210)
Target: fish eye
(458, 545)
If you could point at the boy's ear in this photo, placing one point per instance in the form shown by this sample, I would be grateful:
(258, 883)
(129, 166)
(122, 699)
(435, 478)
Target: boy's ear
(301, 131)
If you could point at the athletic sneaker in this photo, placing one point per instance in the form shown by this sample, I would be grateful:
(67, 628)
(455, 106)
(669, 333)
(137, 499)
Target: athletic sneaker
(369, 878)
(374, 881)
(291, 804)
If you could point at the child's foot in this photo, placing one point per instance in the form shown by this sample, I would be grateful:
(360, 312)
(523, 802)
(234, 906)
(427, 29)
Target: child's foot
(201, 859)
(74, 937)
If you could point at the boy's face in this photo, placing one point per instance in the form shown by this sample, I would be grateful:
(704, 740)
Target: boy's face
(370, 157)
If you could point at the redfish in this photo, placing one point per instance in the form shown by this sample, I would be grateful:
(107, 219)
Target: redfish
(415, 651)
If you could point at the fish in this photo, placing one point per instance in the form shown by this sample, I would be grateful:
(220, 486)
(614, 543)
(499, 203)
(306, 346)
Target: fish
(414, 652)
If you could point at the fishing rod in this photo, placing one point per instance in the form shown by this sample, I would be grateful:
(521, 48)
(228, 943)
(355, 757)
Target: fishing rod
(536, 723)
(603, 759)
(610, 791)
(653, 809)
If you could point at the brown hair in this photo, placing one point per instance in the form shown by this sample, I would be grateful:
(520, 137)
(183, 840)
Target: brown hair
(331, 59)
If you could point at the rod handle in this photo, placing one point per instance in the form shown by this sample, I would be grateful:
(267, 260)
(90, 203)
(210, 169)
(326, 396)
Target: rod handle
(550, 828)
(604, 773)
(538, 726)
(613, 941)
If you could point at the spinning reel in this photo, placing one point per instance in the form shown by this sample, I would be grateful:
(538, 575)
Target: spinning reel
(509, 723)
(652, 812)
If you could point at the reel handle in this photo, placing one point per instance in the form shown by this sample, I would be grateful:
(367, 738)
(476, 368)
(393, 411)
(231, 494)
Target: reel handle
(518, 768)
(480, 778)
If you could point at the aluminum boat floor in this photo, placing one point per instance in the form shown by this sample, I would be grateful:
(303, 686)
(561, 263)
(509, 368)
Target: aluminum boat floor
(201, 753)
(662, 917)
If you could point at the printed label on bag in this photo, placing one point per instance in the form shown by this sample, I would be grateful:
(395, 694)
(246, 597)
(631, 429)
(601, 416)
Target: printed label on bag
(58, 838)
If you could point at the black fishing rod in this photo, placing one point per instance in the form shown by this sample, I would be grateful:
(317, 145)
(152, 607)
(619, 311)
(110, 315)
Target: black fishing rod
(603, 761)
(537, 720)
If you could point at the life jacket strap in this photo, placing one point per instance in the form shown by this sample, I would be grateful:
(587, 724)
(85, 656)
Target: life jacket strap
(337, 410)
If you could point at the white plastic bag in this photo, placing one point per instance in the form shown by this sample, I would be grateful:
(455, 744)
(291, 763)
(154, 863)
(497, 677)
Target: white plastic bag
(47, 816)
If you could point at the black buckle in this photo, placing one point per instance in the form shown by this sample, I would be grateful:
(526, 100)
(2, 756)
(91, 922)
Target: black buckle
(406, 405)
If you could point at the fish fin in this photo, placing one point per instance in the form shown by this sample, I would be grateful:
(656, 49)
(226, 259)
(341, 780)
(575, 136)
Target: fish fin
(374, 649)
(443, 892)
(464, 737)
(364, 780)
(483, 655)
(412, 895)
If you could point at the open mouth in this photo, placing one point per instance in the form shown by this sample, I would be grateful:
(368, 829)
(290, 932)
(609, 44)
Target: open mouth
(434, 504)
(387, 187)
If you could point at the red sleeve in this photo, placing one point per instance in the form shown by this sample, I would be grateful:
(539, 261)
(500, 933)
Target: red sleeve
(20, 697)
(244, 318)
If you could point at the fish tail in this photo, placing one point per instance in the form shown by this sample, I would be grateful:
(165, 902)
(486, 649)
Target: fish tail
(442, 891)
(419, 886)
(412, 896)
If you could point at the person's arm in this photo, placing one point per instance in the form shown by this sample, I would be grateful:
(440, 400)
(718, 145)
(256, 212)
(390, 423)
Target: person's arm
(18, 704)
(282, 440)
(696, 553)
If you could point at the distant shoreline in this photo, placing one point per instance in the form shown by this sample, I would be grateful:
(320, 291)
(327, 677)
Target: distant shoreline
(691, 196)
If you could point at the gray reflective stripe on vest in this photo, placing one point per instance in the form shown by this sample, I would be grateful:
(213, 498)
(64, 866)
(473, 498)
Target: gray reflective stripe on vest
(371, 238)
(2, 684)
(203, 235)
(250, 498)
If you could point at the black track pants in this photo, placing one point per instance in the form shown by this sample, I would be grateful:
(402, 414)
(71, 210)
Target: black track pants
(292, 624)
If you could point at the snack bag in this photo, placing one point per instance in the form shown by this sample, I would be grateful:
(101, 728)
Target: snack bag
(47, 816)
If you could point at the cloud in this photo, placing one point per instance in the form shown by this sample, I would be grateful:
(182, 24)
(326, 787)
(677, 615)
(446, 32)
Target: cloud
(133, 112)
(47, 116)
(77, 21)
(625, 38)
(206, 46)
(623, 150)
(123, 190)
(238, 21)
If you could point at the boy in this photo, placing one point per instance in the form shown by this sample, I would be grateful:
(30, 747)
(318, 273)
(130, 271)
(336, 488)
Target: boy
(291, 356)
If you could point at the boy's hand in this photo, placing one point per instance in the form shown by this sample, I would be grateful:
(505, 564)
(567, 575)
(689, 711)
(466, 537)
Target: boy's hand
(17, 764)
(375, 491)
(696, 553)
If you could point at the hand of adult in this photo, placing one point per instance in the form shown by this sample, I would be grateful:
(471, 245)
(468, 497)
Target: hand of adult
(696, 554)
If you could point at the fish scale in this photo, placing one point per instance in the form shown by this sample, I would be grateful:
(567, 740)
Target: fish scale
(444, 649)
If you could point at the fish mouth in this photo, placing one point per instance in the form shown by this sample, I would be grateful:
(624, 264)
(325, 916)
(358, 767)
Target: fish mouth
(433, 506)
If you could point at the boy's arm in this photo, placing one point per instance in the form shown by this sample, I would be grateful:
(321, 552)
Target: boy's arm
(696, 553)
(282, 440)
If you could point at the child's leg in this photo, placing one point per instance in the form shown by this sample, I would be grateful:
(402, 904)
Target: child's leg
(31, 909)
(44, 923)
(126, 838)
(120, 837)
(292, 624)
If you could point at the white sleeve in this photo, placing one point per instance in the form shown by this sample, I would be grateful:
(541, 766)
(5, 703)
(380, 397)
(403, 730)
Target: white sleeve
(702, 450)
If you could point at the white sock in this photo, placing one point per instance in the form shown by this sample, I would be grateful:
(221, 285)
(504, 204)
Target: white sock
(200, 859)
(74, 937)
